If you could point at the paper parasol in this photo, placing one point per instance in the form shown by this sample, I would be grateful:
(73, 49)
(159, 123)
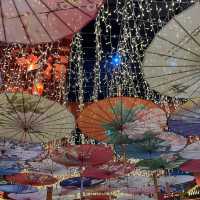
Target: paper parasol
(33, 119)
(82, 155)
(43, 21)
(13, 151)
(33, 179)
(147, 148)
(10, 167)
(109, 170)
(121, 119)
(19, 189)
(175, 180)
(192, 151)
(171, 62)
(76, 182)
(47, 166)
(185, 120)
(177, 142)
(191, 166)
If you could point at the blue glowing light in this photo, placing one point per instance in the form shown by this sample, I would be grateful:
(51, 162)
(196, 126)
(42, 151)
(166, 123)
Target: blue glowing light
(116, 59)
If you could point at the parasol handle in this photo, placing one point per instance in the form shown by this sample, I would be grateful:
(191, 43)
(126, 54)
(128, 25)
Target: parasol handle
(155, 180)
(81, 189)
(49, 193)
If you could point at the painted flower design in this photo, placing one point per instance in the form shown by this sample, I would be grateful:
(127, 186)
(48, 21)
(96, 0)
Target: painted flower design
(132, 123)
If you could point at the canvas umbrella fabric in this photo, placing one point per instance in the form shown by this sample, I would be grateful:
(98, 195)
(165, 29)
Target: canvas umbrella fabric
(19, 152)
(109, 170)
(119, 120)
(82, 155)
(43, 21)
(171, 62)
(192, 151)
(34, 119)
(185, 120)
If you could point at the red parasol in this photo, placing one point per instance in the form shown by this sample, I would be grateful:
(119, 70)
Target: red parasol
(109, 170)
(33, 179)
(82, 155)
(194, 167)
(191, 166)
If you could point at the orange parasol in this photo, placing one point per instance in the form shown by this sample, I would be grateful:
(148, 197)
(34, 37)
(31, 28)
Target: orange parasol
(121, 119)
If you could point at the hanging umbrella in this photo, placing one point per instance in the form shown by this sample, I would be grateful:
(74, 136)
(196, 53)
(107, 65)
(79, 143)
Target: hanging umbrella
(138, 191)
(109, 170)
(47, 166)
(34, 179)
(132, 181)
(19, 189)
(34, 119)
(185, 120)
(177, 142)
(97, 197)
(58, 194)
(39, 21)
(192, 151)
(147, 148)
(175, 180)
(12, 151)
(171, 62)
(121, 119)
(161, 163)
(191, 166)
(82, 155)
(10, 167)
(76, 182)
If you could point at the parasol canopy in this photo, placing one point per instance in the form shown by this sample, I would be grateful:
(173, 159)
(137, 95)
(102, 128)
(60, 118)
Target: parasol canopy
(191, 166)
(82, 155)
(171, 62)
(47, 166)
(175, 180)
(146, 148)
(176, 142)
(76, 182)
(34, 179)
(192, 151)
(43, 21)
(164, 162)
(109, 170)
(13, 151)
(10, 167)
(121, 119)
(185, 120)
(19, 189)
(33, 119)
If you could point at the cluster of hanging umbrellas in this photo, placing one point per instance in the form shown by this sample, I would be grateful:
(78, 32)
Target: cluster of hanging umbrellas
(132, 134)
